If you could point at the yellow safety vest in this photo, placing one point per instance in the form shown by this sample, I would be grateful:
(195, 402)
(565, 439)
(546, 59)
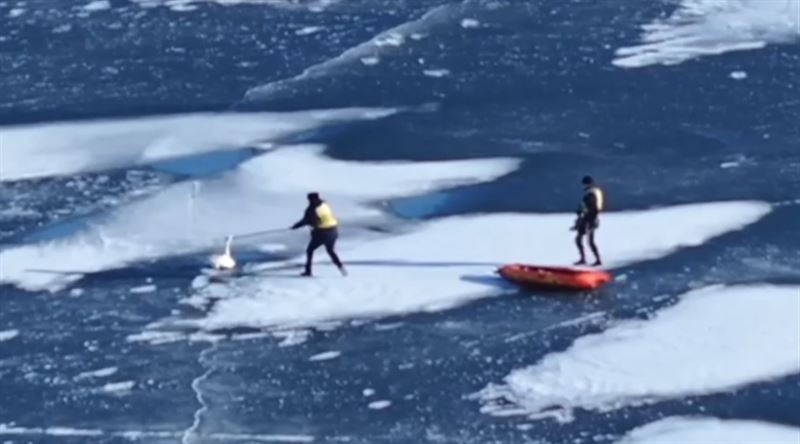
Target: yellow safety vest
(598, 194)
(326, 217)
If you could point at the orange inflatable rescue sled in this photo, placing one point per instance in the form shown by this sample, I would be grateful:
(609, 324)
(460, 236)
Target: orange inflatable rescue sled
(556, 278)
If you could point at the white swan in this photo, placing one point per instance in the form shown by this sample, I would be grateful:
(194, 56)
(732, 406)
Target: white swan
(225, 261)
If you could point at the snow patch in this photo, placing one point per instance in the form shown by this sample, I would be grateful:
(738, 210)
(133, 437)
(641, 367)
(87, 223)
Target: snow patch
(701, 28)
(432, 268)
(715, 339)
(699, 430)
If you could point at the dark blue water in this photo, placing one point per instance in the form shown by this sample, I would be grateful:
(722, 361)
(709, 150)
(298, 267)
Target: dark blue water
(535, 81)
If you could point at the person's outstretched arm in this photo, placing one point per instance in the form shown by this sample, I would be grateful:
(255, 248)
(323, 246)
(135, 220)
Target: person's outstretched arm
(306, 220)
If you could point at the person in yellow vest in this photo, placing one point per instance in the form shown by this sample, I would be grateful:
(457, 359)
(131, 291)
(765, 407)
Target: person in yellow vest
(589, 219)
(324, 231)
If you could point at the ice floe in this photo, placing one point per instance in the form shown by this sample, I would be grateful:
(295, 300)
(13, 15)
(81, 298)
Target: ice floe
(97, 5)
(308, 30)
(291, 338)
(738, 75)
(701, 430)
(190, 5)
(101, 373)
(700, 28)
(118, 387)
(269, 189)
(250, 336)
(326, 356)
(715, 339)
(389, 39)
(8, 335)
(63, 148)
(470, 23)
(150, 288)
(436, 73)
(370, 61)
(6, 429)
(451, 261)
(379, 405)
(158, 435)
(155, 337)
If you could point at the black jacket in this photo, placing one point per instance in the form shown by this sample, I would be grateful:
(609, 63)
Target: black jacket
(309, 217)
(590, 207)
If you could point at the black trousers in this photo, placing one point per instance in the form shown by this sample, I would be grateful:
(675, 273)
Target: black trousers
(320, 237)
(588, 224)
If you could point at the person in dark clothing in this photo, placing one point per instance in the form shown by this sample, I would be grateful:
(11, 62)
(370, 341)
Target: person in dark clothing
(589, 219)
(324, 231)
